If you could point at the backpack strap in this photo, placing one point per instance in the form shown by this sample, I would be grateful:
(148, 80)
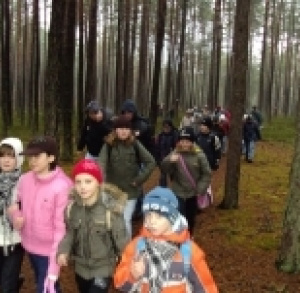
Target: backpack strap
(68, 209)
(140, 245)
(185, 250)
(109, 231)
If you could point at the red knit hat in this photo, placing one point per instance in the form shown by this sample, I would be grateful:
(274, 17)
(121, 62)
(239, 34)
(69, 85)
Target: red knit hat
(88, 166)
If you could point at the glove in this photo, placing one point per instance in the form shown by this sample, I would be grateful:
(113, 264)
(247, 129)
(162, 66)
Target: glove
(49, 284)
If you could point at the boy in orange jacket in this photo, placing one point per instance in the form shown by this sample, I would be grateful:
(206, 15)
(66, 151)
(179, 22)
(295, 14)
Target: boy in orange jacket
(163, 258)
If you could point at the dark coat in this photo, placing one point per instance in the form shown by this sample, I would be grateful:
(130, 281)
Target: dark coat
(92, 135)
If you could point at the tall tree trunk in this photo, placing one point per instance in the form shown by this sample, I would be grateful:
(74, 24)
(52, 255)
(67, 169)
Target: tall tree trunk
(215, 58)
(237, 103)
(68, 81)
(160, 33)
(180, 81)
(141, 91)
(80, 74)
(120, 58)
(288, 259)
(91, 76)
(54, 70)
(5, 66)
(35, 66)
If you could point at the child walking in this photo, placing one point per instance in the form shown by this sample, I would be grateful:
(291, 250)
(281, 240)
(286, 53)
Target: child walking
(127, 164)
(42, 197)
(11, 251)
(197, 165)
(163, 258)
(96, 231)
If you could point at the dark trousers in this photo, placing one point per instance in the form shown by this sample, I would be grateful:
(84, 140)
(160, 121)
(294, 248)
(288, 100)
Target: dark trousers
(100, 285)
(10, 267)
(189, 208)
(40, 265)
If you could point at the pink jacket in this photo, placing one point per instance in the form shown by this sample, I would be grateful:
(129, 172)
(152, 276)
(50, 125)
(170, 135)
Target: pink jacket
(43, 201)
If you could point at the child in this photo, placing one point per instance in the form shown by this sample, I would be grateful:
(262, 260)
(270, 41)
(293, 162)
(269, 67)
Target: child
(126, 164)
(96, 230)
(43, 196)
(11, 251)
(197, 164)
(96, 126)
(155, 261)
(166, 142)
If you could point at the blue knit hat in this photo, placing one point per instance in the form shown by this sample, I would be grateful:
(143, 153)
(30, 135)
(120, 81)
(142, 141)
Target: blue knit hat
(162, 200)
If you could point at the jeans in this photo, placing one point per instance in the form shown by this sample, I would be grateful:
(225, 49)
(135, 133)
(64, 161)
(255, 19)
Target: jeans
(40, 265)
(224, 142)
(128, 212)
(10, 267)
(249, 149)
(99, 285)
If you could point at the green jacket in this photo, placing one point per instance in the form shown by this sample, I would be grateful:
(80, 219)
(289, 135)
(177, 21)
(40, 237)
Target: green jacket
(121, 165)
(197, 165)
(94, 233)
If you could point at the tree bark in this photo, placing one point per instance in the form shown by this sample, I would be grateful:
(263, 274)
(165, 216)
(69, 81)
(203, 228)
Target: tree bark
(237, 103)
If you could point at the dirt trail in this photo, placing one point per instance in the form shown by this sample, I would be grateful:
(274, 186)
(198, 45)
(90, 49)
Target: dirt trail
(236, 269)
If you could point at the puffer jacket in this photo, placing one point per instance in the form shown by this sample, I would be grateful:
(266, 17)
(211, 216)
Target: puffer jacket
(122, 167)
(197, 165)
(95, 232)
(199, 278)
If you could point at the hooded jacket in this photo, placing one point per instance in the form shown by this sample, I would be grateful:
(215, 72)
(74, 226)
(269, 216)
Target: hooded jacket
(43, 201)
(141, 125)
(93, 134)
(88, 240)
(197, 165)
(7, 235)
(121, 167)
(199, 277)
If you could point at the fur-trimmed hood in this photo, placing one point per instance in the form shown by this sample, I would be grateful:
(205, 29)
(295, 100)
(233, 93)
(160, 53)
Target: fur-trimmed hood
(112, 197)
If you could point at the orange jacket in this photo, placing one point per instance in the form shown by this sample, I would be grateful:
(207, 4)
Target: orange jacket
(199, 275)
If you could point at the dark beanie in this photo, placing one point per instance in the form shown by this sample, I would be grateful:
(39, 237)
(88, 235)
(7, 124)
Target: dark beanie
(122, 122)
(187, 133)
(207, 121)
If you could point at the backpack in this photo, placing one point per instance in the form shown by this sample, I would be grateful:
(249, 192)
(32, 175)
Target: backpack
(136, 151)
(185, 251)
(137, 214)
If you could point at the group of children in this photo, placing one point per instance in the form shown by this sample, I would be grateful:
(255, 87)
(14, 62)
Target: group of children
(87, 219)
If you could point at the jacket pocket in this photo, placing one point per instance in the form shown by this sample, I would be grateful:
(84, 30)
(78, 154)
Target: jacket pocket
(100, 241)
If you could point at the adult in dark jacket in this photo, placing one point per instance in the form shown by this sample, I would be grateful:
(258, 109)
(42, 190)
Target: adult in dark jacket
(142, 129)
(250, 135)
(166, 142)
(209, 143)
(96, 127)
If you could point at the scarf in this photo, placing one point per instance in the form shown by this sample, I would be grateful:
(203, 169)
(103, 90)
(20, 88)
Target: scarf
(159, 255)
(7, 182)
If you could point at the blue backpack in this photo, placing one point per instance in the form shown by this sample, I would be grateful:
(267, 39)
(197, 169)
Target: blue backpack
(185, 250)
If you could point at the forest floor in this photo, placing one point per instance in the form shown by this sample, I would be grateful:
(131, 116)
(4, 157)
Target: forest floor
(240, 245)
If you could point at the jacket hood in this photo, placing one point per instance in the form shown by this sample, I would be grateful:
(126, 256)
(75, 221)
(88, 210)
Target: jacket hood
(129, 106)
(179, 235)
(110, 196)
(17, 146)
